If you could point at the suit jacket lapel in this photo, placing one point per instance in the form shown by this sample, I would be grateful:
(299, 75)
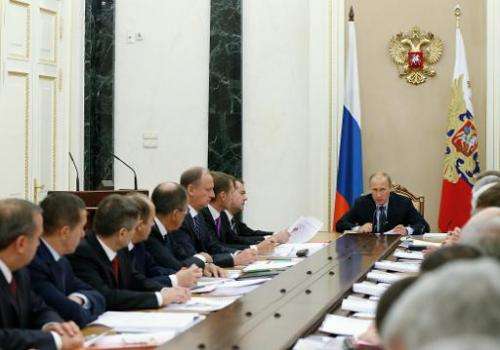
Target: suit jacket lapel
(56, 270)
(101, 255)
(6, 291)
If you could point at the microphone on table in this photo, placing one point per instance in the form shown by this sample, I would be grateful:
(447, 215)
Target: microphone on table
(128, 166)
(76, 169)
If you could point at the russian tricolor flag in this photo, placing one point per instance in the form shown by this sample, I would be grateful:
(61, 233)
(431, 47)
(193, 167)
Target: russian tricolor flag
(350, 167)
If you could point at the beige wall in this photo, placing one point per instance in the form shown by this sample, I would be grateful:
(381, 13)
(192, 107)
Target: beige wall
(404, 125)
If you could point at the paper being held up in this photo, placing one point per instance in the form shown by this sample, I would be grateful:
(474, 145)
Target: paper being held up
(304, 229)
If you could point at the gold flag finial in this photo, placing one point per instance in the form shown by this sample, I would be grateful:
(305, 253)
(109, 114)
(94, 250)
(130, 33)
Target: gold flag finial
(351, 14)
(458, 13)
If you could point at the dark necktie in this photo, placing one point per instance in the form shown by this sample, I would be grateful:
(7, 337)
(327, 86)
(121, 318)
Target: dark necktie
(13, 287)
(233, 225)
(115, 264)
(218, 226)
(382, 218)
(196, 225)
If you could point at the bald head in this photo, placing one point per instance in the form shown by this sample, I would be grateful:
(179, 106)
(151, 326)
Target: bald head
(483, 232)
(169, 196)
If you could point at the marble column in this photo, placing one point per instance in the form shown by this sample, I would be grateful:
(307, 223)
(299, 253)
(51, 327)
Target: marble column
(224, 134)
(99, 90)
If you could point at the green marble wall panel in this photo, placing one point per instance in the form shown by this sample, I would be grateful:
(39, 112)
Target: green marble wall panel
(99, 91)
(224, 133)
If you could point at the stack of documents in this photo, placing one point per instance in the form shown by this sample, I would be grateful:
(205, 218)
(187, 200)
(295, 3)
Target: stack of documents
(397, 266)
(289, 250)
(147, 322)
(340, 325)
(266, 265)
(385, 277)
(304, 229)
(202, 304)
(409, 254)
(356, 304)
(370, 288)
(125, 340)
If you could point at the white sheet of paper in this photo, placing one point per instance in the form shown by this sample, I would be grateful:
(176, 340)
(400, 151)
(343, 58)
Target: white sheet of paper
(202, 304)
(243, 283)
(261, 265)
(204, 289)
(136, 321)
(236, 291)
(359, 305)
(363, 315)
(409, 254)
(435, 236)
(317, 342)
(397, 266)
(369, 288)
(344, 325)
(385, 277)
(205, 281)
(118, 340)
(304, 229)
(289, 250)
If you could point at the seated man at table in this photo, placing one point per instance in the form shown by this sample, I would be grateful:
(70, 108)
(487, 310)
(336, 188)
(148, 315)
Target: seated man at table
(218, 223)
(382, 211)
(144, 261)
(25, 320)
(64, 217)
(170, 201)
(194, 235)
(234, 211)
(102, 261)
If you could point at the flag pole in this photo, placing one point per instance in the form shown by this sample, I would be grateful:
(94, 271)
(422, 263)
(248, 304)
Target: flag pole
(458, 13)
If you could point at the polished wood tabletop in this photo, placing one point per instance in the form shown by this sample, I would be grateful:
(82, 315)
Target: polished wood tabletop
(292, 304)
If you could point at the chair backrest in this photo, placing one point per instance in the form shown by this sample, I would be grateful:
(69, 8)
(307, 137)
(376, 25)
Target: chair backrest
(418, 201)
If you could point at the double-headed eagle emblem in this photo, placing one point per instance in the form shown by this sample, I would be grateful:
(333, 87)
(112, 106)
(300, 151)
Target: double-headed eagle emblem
(415, 53)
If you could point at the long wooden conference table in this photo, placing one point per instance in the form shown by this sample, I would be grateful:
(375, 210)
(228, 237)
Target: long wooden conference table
(292, 304)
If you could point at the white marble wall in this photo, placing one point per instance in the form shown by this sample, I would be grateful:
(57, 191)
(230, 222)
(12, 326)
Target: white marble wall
(161, 87)
(285, 110)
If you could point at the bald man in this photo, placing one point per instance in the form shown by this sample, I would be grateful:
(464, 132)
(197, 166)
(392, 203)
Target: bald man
(382, 211)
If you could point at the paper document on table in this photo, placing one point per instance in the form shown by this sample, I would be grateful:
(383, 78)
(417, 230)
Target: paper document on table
(134, 321)
(409, 254)
(304, 229)
(391, 232)
(397, 266)
(202, 304)
(234, 291)
(205, 281)
(363, 315)
(385, 277)
(435, 236)
(263, 265)
(369, 288)
(419, 243)
(289, 250)
(359, 305)
(340, 325)
(317, 342)
(243, 283)
(125, 340)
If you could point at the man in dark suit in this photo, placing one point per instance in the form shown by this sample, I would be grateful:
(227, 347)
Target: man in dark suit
(382, 211)
(101, 261)
(218, 223)
(64, 219)
(194, 234)
(25, 320)
(170, 201)
(234, 211)
(144, 262)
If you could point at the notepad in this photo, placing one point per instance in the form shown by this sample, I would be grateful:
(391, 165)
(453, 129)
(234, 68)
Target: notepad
(385, 277)
(356, 304)
(135, 321)
(397, 266)
(369, 288)
(202, 304)
(340, 325)
(409, 255)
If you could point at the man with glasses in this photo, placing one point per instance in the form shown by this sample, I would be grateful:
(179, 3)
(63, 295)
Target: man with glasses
(383, 211)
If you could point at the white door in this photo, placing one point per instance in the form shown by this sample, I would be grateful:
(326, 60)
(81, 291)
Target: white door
(32, 114)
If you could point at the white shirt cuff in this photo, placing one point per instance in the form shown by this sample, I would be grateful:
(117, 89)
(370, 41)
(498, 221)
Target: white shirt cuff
(159, 298)
(57, 340)
(254, 247)
(355, 228)
(201, 257)
(173, 279)
(409, 230)
(86, 303)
